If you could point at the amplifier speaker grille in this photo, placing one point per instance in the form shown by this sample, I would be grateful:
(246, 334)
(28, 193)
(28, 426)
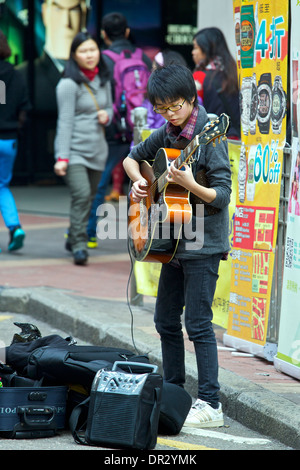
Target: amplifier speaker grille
(114, 417)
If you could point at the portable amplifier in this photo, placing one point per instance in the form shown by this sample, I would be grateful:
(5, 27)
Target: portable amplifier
(122, 407)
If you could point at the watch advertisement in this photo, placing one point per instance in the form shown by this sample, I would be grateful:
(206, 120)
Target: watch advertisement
(262, 63)
(288, 356)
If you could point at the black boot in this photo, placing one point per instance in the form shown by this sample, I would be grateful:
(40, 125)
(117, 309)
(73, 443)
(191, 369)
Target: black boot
(80, 257)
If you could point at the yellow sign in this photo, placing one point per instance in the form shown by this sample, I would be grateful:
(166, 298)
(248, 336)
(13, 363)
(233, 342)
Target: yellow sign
(261, 31)
(220, 303)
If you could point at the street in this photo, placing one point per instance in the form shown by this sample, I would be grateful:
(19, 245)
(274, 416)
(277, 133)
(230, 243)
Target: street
(90, 303)
(233, 436)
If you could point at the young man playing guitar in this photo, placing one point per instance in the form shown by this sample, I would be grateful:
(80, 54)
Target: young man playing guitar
(189, 278)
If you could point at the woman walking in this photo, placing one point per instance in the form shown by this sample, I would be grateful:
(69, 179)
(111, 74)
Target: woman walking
(84, 109)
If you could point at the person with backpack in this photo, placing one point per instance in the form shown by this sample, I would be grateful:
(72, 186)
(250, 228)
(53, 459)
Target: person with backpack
(130, 69)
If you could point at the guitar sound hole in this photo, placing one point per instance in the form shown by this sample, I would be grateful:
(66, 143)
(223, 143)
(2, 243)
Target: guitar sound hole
(156, 198)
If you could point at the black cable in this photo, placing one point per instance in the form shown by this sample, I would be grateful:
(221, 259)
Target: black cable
(127, 294)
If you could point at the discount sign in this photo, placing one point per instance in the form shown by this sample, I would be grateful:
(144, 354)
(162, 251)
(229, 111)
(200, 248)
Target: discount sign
(266, 165)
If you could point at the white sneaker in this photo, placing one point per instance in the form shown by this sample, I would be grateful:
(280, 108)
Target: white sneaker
(202, 415)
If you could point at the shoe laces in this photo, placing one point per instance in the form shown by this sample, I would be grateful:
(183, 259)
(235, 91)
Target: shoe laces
(199, 404)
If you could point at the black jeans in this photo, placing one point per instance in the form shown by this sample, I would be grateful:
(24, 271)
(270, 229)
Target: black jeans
(191, 284)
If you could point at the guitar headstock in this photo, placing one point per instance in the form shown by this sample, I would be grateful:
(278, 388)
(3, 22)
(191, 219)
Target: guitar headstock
(214, 130)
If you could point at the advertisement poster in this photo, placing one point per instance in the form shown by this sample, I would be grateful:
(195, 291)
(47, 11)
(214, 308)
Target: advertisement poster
(220, 305)
(288, 355)
(261, 31)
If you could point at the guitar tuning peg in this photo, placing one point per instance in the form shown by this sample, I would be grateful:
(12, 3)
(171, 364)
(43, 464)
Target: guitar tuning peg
(219, 140)
(224, 137)
(214, 143)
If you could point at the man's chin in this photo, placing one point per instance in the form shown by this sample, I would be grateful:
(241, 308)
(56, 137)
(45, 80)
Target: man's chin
(62, 52)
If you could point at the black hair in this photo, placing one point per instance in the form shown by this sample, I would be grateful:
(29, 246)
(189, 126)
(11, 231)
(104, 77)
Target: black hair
(170, 83)
(214, 45)
(5, 50)
(72, 70)
(115, 25)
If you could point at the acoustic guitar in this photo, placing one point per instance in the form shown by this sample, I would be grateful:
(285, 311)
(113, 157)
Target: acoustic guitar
(155, 223)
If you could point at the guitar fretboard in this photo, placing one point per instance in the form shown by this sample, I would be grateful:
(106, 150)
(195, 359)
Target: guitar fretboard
(184, 156)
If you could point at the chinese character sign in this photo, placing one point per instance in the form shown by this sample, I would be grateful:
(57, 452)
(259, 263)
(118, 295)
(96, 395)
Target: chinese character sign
(261, 33)
(261, 41)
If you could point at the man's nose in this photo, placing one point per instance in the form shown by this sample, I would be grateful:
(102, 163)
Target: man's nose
(67, 17)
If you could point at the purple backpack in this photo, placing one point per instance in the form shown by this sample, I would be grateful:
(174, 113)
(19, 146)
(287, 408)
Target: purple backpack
(131, 76)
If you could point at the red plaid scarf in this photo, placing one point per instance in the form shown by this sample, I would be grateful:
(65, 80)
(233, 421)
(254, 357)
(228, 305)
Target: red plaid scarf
(189, 128)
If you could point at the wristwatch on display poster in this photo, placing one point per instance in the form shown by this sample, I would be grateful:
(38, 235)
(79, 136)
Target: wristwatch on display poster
(245, 102)
(278, 105)
(253, 104)
(264, 103)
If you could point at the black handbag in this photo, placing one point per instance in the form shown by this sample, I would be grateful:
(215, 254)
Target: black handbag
(123, 409)
(175, 406)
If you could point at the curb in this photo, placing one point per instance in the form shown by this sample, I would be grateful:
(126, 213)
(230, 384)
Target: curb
(100, 322)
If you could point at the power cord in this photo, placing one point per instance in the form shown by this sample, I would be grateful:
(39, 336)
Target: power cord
(128, 300)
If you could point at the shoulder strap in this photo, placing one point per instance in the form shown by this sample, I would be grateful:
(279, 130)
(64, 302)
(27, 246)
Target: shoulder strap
(73, 422)
(137, 54)
(112, 55)
(92, 95)
(153, 418)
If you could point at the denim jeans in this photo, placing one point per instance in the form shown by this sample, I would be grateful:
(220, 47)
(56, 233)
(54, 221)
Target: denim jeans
(8, 208)
(116, 153)
(191, 284)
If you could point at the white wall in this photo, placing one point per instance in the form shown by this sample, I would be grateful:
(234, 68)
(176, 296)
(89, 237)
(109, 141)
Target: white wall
(218, 13)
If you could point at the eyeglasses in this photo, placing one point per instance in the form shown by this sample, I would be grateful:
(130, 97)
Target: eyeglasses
(174, 108)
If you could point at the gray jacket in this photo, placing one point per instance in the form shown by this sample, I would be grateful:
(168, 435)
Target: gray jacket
(79, 136)
(210, 221)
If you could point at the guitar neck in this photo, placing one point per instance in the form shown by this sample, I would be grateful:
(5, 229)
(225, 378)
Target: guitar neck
(184, 156)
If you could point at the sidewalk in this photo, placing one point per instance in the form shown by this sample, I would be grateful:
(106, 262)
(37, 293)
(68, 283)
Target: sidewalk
(90, 302)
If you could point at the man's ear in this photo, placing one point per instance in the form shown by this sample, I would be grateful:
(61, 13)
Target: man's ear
(127, 32)
(105, 37)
